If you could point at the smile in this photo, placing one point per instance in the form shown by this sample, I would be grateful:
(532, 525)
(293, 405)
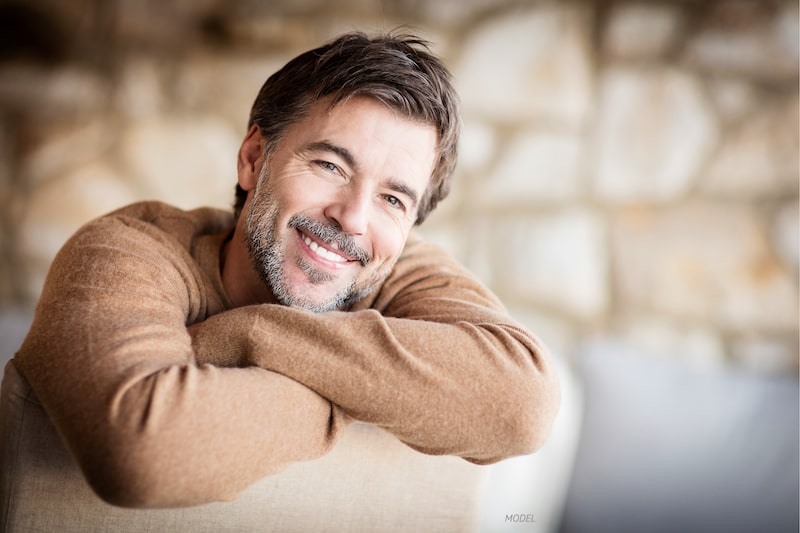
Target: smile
(323, 252)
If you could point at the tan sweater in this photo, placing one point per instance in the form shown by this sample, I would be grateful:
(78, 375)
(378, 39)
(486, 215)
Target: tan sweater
(167, 396)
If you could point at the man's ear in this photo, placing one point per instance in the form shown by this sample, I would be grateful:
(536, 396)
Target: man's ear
(250, 158)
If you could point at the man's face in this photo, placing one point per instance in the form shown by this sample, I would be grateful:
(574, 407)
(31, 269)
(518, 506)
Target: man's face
(335, 201)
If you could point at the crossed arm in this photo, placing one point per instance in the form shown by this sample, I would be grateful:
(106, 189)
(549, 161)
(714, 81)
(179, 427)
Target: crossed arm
(436, 361)
(161, 414)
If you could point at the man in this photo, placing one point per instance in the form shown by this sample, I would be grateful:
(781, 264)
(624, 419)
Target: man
(184, 355)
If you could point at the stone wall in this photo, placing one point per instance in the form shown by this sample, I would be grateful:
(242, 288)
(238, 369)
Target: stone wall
(628, 171)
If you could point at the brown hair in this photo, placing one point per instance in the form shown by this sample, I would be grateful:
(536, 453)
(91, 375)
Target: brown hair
(398, 70)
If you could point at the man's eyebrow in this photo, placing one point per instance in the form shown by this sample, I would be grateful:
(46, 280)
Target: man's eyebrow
(393, 184)
(326, 146)
(402, 188)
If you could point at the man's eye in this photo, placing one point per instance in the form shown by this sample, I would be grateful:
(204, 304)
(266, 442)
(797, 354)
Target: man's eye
(327, 165)
(394, 201)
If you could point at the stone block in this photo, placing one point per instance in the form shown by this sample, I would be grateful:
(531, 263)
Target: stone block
(733, 98)
(224, 85)
(140, 91)
(276, 32)
(704, 262)
(66, 148)
(528, 64)
(654, 133)
(52, 93)
(751, 39)
(642, 31)
(161, 25)
(556, 261)
(451, 12)
(477, 145)
(535, 167)
(759, 157)
(185, 161)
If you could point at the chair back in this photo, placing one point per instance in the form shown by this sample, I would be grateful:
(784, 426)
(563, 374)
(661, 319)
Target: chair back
(369, 482)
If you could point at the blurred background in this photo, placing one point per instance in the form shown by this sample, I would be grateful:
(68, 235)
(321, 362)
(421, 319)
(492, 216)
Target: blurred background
(628, 185)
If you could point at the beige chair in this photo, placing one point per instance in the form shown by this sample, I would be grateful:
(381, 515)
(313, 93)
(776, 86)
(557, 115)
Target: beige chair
(369, 482)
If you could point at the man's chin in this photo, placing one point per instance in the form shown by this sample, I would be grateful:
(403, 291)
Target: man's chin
(317, 301)
(296, 288)
(321, 303)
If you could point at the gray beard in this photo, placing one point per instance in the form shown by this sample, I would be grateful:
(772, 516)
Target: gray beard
(269, 260)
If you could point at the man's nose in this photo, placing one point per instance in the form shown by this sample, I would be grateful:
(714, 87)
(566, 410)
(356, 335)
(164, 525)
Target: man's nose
(350, 210)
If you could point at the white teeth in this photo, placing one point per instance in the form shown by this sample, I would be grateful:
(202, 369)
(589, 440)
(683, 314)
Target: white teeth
(323, 252)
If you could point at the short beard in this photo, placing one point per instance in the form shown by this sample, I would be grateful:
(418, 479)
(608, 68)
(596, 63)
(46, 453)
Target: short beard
(268, 257)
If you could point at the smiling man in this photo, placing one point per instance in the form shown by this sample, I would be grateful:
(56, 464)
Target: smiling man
(182, 355)
(331, 209)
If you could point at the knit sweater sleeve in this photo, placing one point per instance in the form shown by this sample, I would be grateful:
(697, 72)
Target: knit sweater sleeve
(110, 359)
(435, 360)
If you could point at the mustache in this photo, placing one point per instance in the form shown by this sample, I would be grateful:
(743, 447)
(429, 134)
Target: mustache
(330, 234)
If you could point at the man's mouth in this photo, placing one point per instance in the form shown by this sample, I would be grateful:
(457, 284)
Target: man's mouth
(328, 242)
(323, 252)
